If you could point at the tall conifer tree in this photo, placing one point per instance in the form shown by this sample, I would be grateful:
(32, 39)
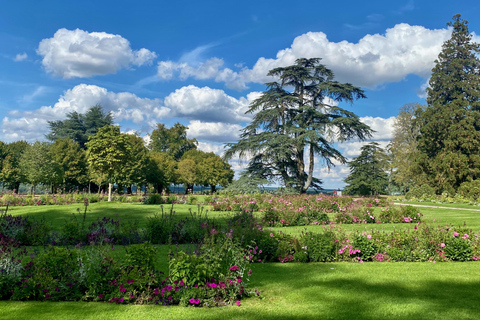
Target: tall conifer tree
(449, 141)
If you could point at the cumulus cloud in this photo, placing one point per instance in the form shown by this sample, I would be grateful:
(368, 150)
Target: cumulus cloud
(207, 104)
(20, 57)
(214, 131)
(31, 125)
(80, 54)
(372, 61)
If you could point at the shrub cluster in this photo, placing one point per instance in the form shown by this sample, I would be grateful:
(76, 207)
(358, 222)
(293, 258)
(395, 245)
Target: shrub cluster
(299, 210)
(13, 199)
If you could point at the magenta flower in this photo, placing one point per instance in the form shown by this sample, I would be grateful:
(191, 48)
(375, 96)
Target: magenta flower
(197, 301)
(234, 268)
(168, 288)
(238, 303)
(100, 296)
(130, 281)
(192, 300)
(123, 289)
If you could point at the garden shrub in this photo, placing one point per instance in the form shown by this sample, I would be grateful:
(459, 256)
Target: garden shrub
(423, 192)
(317, 247)
(459, 247)
(155, 198)
(470, 189)
(141, 255)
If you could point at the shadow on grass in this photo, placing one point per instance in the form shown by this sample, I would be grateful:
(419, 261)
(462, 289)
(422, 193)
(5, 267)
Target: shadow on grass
(312, 291)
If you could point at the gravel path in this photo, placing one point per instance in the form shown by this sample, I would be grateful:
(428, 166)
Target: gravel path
(437, 207)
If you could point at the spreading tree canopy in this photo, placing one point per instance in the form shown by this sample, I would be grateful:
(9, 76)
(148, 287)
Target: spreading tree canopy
(296, 116)
(107, 154)
(79, 127)
(172, 140)
(449, 141)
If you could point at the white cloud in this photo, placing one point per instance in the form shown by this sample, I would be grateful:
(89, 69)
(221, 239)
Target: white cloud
(80, 54)
(214, 131)
(31, 125)
(372, 61)
(218, 149)
(207, 104)
(20, 57)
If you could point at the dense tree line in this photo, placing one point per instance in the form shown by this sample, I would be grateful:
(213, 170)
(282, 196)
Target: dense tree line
(87, 152)
(437, 145)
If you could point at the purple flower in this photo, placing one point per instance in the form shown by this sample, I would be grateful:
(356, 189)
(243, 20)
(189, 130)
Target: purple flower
(100, 296)
(168, 288)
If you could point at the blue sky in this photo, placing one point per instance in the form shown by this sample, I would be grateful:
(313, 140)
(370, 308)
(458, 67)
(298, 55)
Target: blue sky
(202, 62)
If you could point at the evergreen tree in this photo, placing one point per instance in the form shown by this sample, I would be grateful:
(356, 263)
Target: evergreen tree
(449, 141)
(367, 172)
(79, 127)
(296, 116)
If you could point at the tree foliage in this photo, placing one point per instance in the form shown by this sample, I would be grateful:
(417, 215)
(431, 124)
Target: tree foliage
(79, 127)
(12, 174)
(172, 140)
(403, 146)
(72, 163)
(38, 165)
(367, 172)
(449, 141)
(107, 153)
(298, 115)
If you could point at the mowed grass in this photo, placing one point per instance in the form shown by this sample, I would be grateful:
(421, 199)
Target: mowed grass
(293, 290)
(130, 212)
(127, 212)
(310, 291)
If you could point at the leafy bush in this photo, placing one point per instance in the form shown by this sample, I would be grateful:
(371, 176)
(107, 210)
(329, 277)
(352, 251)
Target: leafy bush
(459, 248)
(423, 192)
(317, 247)
(470, 189)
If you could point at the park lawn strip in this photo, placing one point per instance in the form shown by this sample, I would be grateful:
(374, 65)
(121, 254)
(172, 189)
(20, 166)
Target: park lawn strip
(310, 291)
(127, 212)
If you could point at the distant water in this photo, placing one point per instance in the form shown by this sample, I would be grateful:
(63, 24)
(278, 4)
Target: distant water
(198, 189)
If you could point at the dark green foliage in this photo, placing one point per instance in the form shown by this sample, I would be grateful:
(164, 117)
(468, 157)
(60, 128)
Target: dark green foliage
(470, 189)
(172, 141)
(292, 118)
(368, 247)
(12, 174)
(420, 192)
(458, 249)
(449, 141)
(141, 255)
(367, 172)
(79, 127)
(317, 247)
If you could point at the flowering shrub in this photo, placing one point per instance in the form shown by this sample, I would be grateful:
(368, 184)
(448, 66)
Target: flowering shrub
(298, 210)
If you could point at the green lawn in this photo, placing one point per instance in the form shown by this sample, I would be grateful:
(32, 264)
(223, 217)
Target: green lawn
(293, 290)
(58, 214)
(310, 291)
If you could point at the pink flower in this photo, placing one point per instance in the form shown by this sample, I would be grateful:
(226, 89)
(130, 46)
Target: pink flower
(369, 236)
(191, 300)
(455, 234)
(238, 303)
(234, 268)
(442, 245)
(465, 236)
